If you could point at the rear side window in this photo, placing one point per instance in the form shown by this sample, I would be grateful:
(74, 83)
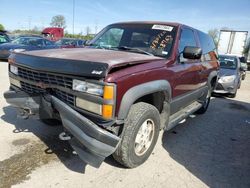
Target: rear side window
(187, 39)
(208, 47)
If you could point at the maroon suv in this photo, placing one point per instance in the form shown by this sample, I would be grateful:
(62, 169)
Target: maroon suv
(115, 95)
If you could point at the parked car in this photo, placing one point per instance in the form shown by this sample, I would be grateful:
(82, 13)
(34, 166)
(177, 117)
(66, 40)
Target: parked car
(25, 44)
(70, 43)
(229, 75)
(15, 36)
(243, 67)
(4, 38)
(114, 96)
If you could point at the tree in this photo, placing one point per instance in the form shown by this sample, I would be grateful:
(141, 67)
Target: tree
(214, 33)
(1, 27)
(58, 21)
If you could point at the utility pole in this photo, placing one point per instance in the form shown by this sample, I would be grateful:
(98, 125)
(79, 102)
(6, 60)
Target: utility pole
(73, 26)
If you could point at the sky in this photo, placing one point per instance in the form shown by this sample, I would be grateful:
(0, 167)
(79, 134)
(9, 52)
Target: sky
(96, 14)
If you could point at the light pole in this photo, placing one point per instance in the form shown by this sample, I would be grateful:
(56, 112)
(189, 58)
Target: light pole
(73, 25)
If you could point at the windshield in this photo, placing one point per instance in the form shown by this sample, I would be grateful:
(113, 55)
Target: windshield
(139, 38)
(228, 62)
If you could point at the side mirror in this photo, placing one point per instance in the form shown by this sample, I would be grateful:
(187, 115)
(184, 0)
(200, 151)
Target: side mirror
(191, 52)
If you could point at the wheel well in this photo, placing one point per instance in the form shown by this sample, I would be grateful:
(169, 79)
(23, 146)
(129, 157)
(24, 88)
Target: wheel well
(156, 99)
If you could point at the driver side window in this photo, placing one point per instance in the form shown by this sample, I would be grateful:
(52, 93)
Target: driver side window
(187, 39)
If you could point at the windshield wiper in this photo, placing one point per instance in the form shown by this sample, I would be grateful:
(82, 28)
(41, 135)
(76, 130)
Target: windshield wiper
(132, 49)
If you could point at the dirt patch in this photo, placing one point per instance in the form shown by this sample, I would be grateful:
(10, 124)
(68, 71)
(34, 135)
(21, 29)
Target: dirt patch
(16, 169)
(20, 142)
(237, 106)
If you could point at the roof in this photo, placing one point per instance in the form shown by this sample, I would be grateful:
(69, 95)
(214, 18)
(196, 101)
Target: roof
(149, 22)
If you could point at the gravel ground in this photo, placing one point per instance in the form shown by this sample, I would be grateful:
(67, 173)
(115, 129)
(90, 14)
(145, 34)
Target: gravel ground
(210, 150)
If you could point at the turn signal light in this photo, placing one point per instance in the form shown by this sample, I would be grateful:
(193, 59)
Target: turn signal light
(107, 109)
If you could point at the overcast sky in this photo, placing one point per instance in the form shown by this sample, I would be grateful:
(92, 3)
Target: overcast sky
(201, 14)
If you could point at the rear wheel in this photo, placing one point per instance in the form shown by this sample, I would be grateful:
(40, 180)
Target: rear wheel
(139, 136)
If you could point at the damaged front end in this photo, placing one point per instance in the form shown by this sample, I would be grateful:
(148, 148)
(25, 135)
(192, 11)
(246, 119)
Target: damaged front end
(86, 107)
(92, 143)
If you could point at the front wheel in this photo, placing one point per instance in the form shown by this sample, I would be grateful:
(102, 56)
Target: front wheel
(139, 136)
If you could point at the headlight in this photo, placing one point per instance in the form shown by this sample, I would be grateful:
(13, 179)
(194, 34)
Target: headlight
(227, 78)
(87, 87)
(14, 69)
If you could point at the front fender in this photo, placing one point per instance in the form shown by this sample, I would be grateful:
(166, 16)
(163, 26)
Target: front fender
(141, 90)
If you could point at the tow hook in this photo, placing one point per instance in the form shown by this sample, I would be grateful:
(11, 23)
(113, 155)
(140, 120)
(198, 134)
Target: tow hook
(64, 136)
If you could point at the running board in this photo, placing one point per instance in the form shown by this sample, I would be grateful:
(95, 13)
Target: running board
(182, 114)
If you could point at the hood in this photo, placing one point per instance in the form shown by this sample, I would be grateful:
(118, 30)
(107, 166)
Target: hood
(227, 72)
(80, 61)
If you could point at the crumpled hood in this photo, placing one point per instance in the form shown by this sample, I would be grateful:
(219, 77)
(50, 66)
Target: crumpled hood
(80, 61)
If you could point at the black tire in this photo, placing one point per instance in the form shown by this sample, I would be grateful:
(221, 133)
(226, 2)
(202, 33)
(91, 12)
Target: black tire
(233, 95)
(205, 104)
(243, 77)
(138, 114)
(239, 85)
(51, 122)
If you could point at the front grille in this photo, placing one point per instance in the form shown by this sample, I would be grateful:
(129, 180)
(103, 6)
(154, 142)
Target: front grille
(219, 87)
(46, 78)
(31, 88)
(65, 97)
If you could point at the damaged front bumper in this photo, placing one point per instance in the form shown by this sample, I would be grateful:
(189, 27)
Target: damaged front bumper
(92, 143)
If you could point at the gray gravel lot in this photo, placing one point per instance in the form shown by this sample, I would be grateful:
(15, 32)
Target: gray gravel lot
(210, 150)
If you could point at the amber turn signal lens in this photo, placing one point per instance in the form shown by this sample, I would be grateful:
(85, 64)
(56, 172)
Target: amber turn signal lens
(108, 92)
(107, 111)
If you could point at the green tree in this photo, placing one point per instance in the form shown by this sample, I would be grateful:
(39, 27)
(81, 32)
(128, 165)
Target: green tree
(1, 27)
(214, 33)
(58, 21)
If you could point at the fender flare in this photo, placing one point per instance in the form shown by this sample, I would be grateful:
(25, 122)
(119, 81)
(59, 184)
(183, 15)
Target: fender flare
(141, 90)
